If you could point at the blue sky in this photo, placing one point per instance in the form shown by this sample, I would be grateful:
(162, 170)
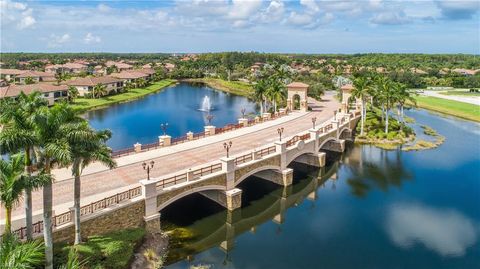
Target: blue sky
(305, 26)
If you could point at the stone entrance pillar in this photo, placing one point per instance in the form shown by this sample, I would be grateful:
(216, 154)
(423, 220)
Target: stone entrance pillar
(300, 89)
(346, 94)
(152, 217)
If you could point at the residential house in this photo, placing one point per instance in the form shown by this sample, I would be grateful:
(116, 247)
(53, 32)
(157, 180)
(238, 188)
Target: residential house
(130, 76)
(50, 92)
(465, 72)
(10, 74)
(85, 85)
(169, 67)
(36, 76)
(70, 68)
(119, 65)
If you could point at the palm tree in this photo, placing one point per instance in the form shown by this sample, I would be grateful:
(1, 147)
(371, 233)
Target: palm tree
(56, 127)
(72, 93)
(15, 254)
(403, 95)
(99, 90)
(84, 153)
(260, 88)
(29, 80)
(387, 97)
(59, 77)
(17, 135)
(361, 88)
(276, 92)
(11, 186)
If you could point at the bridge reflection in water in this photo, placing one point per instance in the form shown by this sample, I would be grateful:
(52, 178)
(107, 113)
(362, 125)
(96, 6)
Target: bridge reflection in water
(193, 229)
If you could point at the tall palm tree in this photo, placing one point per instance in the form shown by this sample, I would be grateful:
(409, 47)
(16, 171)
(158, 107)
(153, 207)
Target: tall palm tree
(276, 92)
(387, 96)
(84, 153)
(361, 89)
(260, 88)
(15, 254)
(56, 127)
(11, 186)
(72, 93)
(403, 96)
(18, 135)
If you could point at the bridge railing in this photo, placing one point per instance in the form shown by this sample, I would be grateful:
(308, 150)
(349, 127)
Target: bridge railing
(297, 138)
(266, 151)
(195, 136)
(67, 217)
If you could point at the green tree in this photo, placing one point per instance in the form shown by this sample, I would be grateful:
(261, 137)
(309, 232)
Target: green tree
(360, 91)
(29, 80)
(72, 93)
(56, 127)
(11, 186)
(18, 134)
(275, 92)
(15, 254)
(59, 77)
(261, 88)
(99, 90)
(84, 152)
(403, 95)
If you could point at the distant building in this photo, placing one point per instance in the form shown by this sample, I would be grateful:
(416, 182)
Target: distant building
(119, 65)
(465, 72)
(50, 92)
(169, 66)
(69, 68)
(36, 76)
(86, 85)
(10, 74)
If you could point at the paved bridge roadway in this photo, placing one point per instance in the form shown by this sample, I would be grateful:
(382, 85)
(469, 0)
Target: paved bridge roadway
(98, 182)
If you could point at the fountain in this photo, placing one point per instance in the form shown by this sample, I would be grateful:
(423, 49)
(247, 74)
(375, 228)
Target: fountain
(206, 105)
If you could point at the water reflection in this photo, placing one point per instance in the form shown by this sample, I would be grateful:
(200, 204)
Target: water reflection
(445, 231)
(372, 168)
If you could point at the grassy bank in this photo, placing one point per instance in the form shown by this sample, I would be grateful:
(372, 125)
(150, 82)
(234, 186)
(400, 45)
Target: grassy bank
(450, 107)
(83, 104)
(235, 87)
(110, 251)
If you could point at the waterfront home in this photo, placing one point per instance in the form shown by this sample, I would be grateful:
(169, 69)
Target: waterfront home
(50, 92)
(131, 76)
(36, 77)
(67, 68)
(85, 85)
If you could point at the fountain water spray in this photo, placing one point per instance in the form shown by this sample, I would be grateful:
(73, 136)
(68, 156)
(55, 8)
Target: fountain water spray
(206, 105)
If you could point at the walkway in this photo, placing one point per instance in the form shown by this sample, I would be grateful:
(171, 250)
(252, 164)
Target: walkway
(98, 183)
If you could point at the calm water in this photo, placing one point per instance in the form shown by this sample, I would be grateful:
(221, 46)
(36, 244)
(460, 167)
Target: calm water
(368, 209)
(178, 105)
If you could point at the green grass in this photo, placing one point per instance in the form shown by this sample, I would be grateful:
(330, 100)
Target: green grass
(450, 107)
(110, 251)
(83, 104)
(235, 87)
(461, 93)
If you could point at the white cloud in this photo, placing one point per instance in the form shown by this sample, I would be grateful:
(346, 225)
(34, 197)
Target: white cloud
(16, 13)
(90, 39)
(56, 41)
(390, 18)
(458, 10)
(242, 9)
(103, 8)
(447, 232)
(26, 22)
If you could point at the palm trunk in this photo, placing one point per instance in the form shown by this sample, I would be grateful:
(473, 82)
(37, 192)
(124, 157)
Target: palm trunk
(76, 205)
(47, 220)
(386, 120)
(8, 220)
(401, 117)
(28, 197)
(363, 118)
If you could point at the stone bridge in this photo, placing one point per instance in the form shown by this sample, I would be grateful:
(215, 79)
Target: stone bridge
(219, 181)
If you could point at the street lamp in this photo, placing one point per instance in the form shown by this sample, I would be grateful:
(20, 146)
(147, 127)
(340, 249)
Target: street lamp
(148, 167)
(314, 119)
(227, 147)
(335, 115)
(164, 127)
(280, 132)
(243, 112)
(209, 119)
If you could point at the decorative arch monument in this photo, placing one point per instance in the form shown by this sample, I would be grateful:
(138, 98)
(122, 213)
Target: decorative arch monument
(297, 90)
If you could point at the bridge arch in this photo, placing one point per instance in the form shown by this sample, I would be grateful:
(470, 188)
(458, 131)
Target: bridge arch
(345, 133)
(327, 141)
(295, 155)
(257, 170)
(186, 193)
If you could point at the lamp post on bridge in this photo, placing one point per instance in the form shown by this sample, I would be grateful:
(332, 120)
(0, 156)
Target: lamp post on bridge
(280, 132)
(314, 119)
(147, 167)
(335, 115)
(164, 127)
(227, 147)
(209, 119)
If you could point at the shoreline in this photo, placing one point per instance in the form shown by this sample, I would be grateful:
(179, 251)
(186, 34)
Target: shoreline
(223, 85)
(121, 97)
(438, 105)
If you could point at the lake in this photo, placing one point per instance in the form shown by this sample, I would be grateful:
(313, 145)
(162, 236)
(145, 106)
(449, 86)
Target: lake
(369, 208)
(178, 105)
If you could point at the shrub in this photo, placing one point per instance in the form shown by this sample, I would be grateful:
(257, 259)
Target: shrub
(381, 135)
(109, 251)
(392, 135)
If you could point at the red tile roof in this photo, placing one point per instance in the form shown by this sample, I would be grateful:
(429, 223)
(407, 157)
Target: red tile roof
(297, 85)
(92, 81)
(15, 90)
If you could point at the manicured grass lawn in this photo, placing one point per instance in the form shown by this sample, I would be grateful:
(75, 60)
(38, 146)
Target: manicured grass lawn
(109, 251)
(86, 104)
(461, 93)
(459, 109)
(235, 87)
